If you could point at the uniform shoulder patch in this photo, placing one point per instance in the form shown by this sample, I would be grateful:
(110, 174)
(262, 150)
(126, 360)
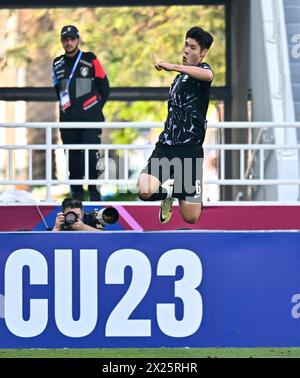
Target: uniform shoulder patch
(89, 55)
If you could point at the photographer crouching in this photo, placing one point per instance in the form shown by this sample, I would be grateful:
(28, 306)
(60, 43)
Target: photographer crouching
(73, 217)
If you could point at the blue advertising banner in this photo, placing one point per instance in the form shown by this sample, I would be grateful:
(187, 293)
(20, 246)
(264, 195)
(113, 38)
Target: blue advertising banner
(156, 289)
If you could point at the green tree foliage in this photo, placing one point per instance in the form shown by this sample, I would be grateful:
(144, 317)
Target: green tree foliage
(127, 40)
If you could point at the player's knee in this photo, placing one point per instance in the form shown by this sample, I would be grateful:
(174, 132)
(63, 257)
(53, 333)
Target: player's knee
(143, 191)
(191, 218)
(144, 196)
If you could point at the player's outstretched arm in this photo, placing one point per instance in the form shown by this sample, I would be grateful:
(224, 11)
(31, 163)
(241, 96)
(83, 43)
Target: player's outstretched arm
(198, 73)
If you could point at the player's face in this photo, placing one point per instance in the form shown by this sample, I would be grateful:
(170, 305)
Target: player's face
(192, 53)
(70, 45)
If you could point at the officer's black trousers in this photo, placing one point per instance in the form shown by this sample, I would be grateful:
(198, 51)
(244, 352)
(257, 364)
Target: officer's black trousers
(77, 157)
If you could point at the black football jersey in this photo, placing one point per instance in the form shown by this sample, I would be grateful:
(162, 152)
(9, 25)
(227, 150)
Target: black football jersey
(187, 108)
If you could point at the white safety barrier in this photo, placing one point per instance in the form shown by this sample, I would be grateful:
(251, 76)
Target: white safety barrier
(247, 154)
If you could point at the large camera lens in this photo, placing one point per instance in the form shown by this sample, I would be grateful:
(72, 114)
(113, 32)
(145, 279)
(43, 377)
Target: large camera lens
(110, 215)
(71, 217)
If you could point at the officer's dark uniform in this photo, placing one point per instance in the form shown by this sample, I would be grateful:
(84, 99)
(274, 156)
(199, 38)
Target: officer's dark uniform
(88, 92)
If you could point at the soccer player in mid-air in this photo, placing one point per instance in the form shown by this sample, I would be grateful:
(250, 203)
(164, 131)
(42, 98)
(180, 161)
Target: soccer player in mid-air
(174, 170)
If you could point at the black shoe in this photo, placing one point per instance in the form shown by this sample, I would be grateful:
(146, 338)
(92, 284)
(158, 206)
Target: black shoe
(95, 196)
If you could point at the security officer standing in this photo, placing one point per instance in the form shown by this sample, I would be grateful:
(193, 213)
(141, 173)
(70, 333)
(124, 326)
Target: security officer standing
(82, 88)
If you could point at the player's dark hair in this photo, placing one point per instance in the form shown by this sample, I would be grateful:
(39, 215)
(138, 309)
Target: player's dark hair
(72, 203)
(203, 38)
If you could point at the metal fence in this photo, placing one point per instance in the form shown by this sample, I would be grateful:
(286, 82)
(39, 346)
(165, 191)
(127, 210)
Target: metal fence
(248, 155)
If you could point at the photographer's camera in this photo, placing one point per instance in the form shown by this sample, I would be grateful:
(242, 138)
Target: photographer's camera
(74, 218)
(100, 218)
(70, 218)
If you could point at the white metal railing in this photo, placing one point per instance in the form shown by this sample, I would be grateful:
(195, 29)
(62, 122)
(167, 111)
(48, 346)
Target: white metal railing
(9, 176)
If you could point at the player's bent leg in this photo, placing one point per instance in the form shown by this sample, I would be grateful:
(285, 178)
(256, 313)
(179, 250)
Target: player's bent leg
(147, 185)
(189, 211)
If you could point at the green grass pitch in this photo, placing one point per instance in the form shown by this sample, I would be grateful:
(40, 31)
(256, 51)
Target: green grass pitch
(153, 353)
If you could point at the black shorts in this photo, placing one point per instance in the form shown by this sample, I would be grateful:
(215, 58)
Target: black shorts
(184, 164)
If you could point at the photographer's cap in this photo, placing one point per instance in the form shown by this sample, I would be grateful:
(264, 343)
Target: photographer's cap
(69, 31)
